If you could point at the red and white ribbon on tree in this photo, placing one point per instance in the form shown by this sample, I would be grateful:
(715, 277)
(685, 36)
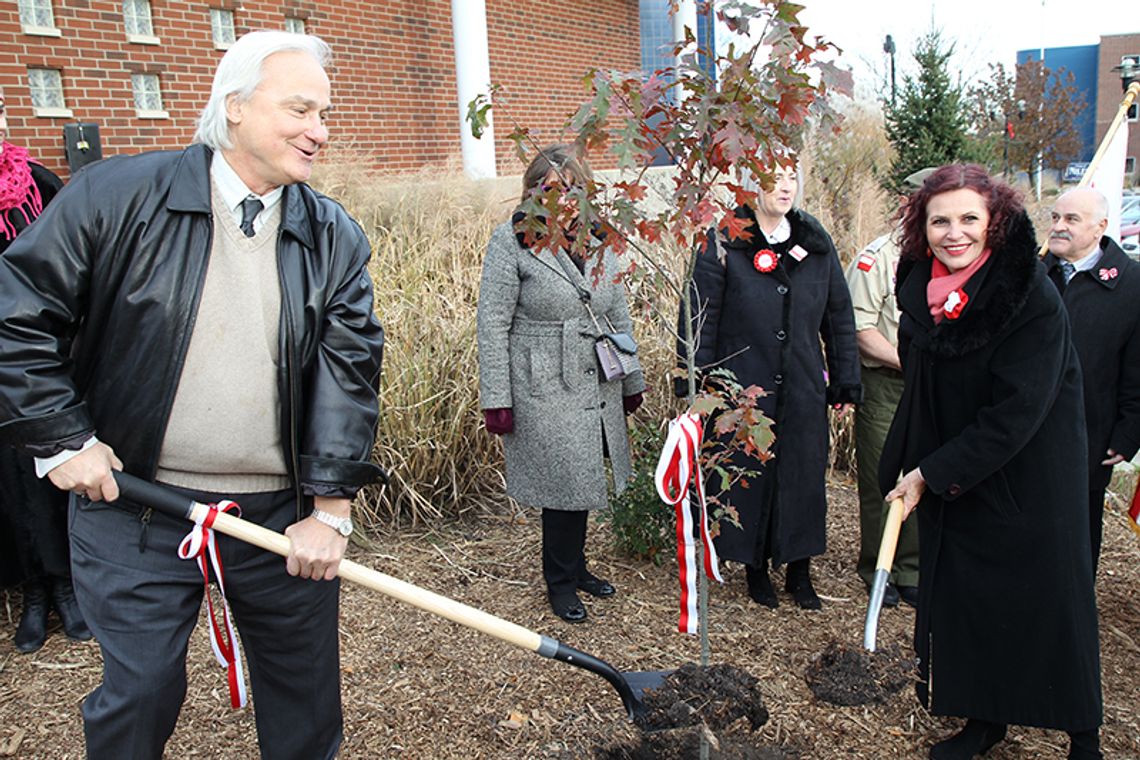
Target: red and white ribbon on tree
(199, 544)
(675, 471)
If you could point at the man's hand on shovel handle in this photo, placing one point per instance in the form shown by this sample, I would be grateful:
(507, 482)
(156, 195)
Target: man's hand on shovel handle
(316, 548)
(910, 490)
(89, 474)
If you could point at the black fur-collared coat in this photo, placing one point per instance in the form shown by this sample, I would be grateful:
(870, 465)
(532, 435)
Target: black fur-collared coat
(992, 413)
(767, 327)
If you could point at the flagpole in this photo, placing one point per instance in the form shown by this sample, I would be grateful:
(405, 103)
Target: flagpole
(1130, 97)
(1121, 114)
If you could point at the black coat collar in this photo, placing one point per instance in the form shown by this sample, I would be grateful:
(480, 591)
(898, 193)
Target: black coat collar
(1112, 257)
(190, 193)
(997, 293)
(807, 232)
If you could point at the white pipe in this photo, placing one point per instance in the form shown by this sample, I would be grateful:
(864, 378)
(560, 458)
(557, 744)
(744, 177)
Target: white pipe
(686, 16)
(472, 78)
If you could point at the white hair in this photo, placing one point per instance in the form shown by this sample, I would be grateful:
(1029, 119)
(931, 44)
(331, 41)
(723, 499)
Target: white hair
(1098, 200)
(751, 183)
(239, 74)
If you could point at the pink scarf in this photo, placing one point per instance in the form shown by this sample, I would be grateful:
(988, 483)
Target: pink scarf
(17, 190)
(944, 283)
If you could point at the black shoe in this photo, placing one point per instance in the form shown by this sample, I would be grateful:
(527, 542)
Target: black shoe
(909, 595)
(760, 586)
(31, 633)
(973, 740)
(797, 582)
(63, 600)
(1085, 745)
(568, 607)
(890, 595)
(596, 586)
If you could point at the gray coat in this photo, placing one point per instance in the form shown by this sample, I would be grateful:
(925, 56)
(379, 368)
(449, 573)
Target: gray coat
(536, 357)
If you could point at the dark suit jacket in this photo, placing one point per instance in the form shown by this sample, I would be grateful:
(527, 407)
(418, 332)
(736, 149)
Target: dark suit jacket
(1104, 308)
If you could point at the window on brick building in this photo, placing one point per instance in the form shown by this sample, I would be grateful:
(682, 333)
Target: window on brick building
(148, 96)
(222, 25)
(137, 22)
(36, 17)
(1130, 165)
(294, 25)
(46, 87)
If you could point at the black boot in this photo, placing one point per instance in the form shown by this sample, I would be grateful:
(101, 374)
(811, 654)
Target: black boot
(1085, 745)
(973, 740)
(797, 582)
(760, 585)
(63, 600)
(32, 631)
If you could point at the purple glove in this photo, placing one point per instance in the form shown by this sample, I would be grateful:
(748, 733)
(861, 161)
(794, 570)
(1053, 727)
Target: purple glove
(630, 403)
(499, 421)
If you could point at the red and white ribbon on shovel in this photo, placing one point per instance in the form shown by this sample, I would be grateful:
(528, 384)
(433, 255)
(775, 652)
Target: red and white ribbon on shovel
(199, 544)
(675, 471)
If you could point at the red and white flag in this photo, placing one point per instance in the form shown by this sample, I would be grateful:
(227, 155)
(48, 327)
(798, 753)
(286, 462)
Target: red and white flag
(678, 467)
(1109, 177)
(1134, 510)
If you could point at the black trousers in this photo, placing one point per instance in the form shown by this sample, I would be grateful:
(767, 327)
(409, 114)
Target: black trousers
(142, 603)
(33, 520)
(1096, 525)
(563, 550)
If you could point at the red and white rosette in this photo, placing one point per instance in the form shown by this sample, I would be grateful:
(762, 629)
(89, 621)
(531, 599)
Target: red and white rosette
(955, 302)
(199, 544)
(765, 260)
(675, 471)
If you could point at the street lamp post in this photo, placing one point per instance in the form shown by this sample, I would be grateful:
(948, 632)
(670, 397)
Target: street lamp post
(889, 49)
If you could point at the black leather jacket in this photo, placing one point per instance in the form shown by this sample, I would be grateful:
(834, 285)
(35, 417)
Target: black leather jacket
(98, 301)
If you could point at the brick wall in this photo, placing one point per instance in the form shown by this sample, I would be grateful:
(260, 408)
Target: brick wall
(1109, 93)
(393, 74)
(541, 49)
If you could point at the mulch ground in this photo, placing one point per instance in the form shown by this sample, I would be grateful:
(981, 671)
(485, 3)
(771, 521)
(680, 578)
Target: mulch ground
(418, 687)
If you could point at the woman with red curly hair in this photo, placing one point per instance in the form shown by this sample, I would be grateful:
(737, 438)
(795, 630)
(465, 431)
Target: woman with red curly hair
(989, 440)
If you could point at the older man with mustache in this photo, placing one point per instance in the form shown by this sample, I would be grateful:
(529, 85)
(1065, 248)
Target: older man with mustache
(1100, 286)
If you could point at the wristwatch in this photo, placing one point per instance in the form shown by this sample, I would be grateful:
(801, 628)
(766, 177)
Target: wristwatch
(342, 525)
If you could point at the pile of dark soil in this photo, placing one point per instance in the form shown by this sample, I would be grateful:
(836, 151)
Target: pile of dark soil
(696, 701)
(716, 696)
(848, 676)
(684, 744)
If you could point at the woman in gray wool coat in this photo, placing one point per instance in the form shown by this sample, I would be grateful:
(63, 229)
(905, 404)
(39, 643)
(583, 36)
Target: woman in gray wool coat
(540, 386)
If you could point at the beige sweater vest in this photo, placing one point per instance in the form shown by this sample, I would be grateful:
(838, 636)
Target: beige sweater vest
(224, 432)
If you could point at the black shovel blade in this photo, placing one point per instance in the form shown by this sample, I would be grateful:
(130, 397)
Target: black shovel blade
(631, 687)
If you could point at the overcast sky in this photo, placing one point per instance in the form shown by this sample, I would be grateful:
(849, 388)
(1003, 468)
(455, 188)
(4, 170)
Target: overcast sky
(984, 31)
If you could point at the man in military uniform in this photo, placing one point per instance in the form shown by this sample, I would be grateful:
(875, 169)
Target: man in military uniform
(871, 279)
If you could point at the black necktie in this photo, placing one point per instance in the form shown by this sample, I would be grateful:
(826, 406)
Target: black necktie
(250, 208)
(1068, 270)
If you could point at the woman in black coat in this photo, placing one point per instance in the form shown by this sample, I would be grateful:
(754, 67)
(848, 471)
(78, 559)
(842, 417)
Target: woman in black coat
(33, 513)
(990, 439)
(761, 306)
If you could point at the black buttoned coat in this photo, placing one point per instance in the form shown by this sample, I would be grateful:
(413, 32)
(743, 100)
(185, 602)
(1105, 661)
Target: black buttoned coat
(767, 327)
(1104, 308)
(992, 413)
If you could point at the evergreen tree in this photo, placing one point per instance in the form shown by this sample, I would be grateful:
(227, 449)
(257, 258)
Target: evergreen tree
(927, 124)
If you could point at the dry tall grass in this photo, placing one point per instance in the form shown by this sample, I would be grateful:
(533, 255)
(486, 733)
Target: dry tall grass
(429, 234)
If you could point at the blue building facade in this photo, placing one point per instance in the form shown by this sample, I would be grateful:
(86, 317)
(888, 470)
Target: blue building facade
(1081, 61)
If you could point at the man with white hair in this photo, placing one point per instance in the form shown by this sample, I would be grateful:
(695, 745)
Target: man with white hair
(204, 319)
(1100, 286)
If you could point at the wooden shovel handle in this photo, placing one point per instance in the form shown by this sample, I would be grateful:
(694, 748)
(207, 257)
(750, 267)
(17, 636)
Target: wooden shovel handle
(176, 505)
(890, 536)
